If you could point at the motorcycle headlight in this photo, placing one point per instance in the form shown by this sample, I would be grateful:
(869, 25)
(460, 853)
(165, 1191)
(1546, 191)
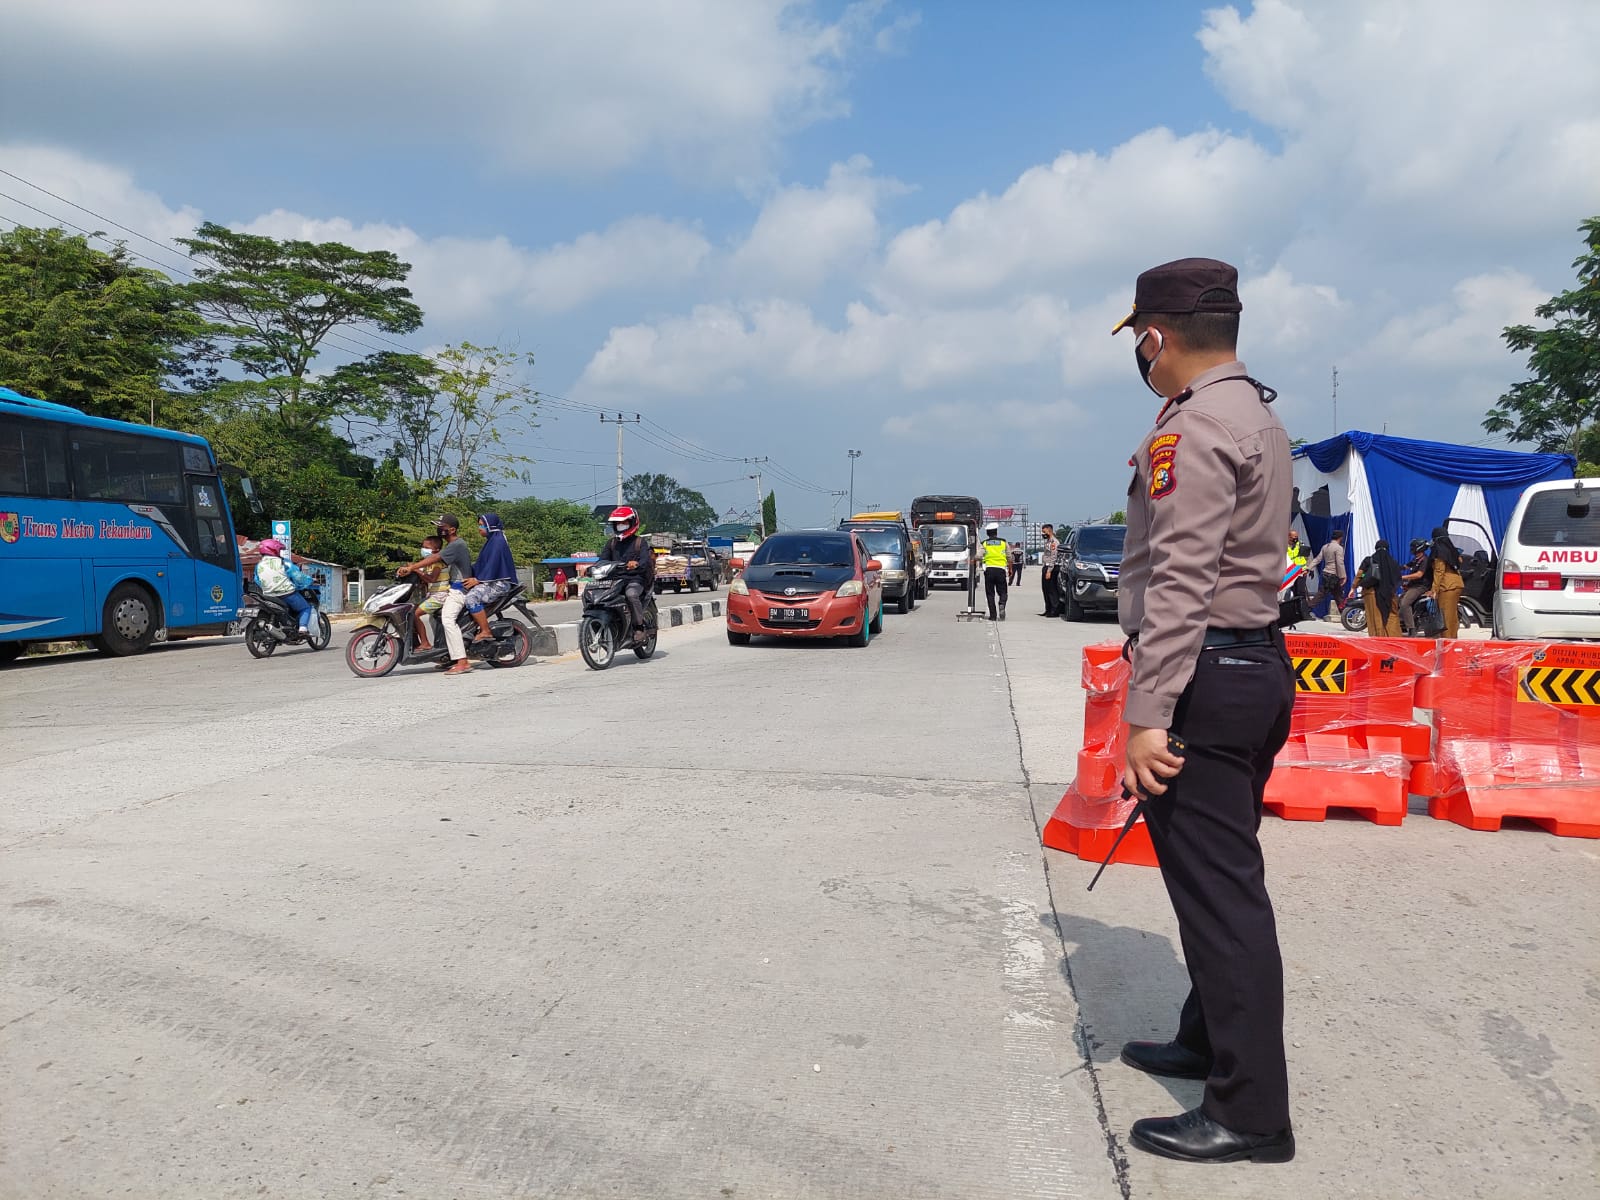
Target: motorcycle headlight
(739, 587)
(850, 587)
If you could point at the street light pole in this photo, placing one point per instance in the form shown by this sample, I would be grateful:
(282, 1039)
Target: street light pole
(854, 454)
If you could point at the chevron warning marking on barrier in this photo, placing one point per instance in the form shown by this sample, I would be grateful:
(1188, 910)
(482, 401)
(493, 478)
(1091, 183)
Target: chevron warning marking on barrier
(1559, 685)
(1321, 675)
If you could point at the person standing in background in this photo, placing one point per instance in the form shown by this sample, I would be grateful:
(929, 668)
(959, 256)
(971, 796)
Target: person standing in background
(1332, 577)
(1443, 575)
(1016, 563)
(1380, 592)
(1414, 580)
(1048, 553)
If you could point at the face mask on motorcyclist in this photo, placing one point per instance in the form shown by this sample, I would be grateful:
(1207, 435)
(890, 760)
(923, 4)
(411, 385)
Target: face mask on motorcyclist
(1147, 364)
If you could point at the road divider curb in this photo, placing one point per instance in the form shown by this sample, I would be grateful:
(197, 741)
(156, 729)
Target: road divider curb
(563, 638)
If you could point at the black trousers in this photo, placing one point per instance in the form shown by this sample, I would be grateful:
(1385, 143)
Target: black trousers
(994, 583)
(1234, 716)
(1052, 599)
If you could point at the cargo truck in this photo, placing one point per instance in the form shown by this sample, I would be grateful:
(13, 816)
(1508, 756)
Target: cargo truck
(952, 525)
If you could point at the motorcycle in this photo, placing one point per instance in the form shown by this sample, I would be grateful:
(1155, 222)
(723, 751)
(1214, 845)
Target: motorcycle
(387, 637)
(271, 624)
(607, 623)
(1354, 616)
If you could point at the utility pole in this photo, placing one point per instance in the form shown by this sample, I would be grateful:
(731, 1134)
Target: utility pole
(761, 505)
(854, 454)
(619, 421)
(1336, 401)
(761, 499)
(833, 508)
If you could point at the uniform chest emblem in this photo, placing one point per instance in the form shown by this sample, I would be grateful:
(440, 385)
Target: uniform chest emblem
(1164, 465)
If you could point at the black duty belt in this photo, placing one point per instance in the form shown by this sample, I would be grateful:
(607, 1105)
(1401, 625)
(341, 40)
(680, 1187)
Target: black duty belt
(1217, 639)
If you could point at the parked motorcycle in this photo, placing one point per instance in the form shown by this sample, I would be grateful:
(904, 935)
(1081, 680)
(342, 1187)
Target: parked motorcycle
(272, 624)
(606, 622)
(387, 637)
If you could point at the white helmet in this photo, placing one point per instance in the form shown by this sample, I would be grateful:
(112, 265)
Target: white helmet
(992, 528)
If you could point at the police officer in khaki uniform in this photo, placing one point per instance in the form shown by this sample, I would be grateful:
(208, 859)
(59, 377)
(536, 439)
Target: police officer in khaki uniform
(1209, 702)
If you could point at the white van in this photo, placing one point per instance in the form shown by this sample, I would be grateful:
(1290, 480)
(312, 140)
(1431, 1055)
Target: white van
(1549, 587)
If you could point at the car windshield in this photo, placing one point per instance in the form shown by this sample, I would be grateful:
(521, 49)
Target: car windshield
(881, 541)
(1560, 518)
(949, 537)
(1101, 539)
(804, 549)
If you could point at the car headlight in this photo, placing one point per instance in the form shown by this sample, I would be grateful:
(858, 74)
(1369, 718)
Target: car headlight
(891, 573)
(739, 587)
(850, 587)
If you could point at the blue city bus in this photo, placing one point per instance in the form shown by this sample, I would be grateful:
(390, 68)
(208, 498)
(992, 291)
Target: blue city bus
(113, 532)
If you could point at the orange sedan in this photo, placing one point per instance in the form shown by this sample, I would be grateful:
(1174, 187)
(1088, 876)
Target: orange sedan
(812, 583)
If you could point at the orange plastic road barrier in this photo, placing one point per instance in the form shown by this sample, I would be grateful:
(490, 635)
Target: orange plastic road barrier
(1093, 811)
(1354, 739)
(1518, 727)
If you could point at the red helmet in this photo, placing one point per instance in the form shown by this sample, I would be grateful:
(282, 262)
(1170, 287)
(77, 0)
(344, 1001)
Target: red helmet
(624, 521)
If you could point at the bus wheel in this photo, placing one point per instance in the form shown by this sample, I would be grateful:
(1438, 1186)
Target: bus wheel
(128, 625)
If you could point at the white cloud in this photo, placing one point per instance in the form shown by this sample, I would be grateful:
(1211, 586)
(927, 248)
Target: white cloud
(1463, 115)
(724, 347)
(108, 193)
(1463, 333)
(461, 279)
(991, 422)
(704, 85)
(1084, 218)
(805, 235)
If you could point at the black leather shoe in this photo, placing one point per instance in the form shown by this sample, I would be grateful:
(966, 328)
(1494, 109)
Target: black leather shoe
(1166, 1058)
(1195, 1137)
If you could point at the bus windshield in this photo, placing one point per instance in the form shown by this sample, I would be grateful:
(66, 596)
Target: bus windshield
(109, 531)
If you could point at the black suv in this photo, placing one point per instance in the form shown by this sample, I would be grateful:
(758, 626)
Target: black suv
(1087, 570)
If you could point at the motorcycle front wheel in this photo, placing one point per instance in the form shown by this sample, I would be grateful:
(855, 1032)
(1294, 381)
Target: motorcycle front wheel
(372, 652)
(1354, 617)
(597, 641)
(320, 633)
(258, 640)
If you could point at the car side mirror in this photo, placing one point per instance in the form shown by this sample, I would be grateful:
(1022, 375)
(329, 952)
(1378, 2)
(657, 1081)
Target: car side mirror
(874, 565)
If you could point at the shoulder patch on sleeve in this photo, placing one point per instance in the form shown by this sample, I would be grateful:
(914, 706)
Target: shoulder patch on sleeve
(1164, 464)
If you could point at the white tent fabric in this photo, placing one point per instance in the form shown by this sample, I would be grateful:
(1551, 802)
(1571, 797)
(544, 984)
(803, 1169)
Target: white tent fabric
(1471, 506)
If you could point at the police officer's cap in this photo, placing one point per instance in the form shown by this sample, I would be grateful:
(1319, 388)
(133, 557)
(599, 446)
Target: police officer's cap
(1188, 285)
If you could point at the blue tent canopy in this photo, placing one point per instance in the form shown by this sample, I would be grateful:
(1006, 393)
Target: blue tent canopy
(1402, 488)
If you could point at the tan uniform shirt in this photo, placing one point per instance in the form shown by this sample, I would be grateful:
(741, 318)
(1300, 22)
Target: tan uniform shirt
(1210, 499)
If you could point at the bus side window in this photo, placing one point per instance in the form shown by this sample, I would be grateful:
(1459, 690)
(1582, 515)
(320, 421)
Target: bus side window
(33, 460)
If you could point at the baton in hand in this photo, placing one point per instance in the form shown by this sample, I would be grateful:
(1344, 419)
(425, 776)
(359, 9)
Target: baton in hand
(1177, 746)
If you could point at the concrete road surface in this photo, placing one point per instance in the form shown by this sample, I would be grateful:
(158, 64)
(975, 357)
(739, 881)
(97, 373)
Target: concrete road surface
(768, 921)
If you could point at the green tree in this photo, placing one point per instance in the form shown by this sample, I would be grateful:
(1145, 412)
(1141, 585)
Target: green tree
(276, 302)
(538, 529)
(459, 432)
(666, 506)
(769, 512)
(88, 328)
(1117, 518)
(1555, 409)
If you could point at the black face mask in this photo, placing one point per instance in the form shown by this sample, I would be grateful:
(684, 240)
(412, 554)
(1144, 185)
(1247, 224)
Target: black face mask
(1145, 364)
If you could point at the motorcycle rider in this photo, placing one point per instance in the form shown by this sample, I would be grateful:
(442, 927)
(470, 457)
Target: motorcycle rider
(638, 563)
(494, 573)
(458, 559)
(1412, 578)
(279, 579)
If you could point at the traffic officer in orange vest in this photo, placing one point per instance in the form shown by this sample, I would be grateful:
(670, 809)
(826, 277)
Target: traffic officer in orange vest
(1209, 702)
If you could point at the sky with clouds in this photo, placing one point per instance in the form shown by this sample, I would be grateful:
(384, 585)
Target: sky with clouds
(788, 228)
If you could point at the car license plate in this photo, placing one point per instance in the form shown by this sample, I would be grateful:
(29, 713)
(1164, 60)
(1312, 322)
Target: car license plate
(1586, 585)
(791, 614)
